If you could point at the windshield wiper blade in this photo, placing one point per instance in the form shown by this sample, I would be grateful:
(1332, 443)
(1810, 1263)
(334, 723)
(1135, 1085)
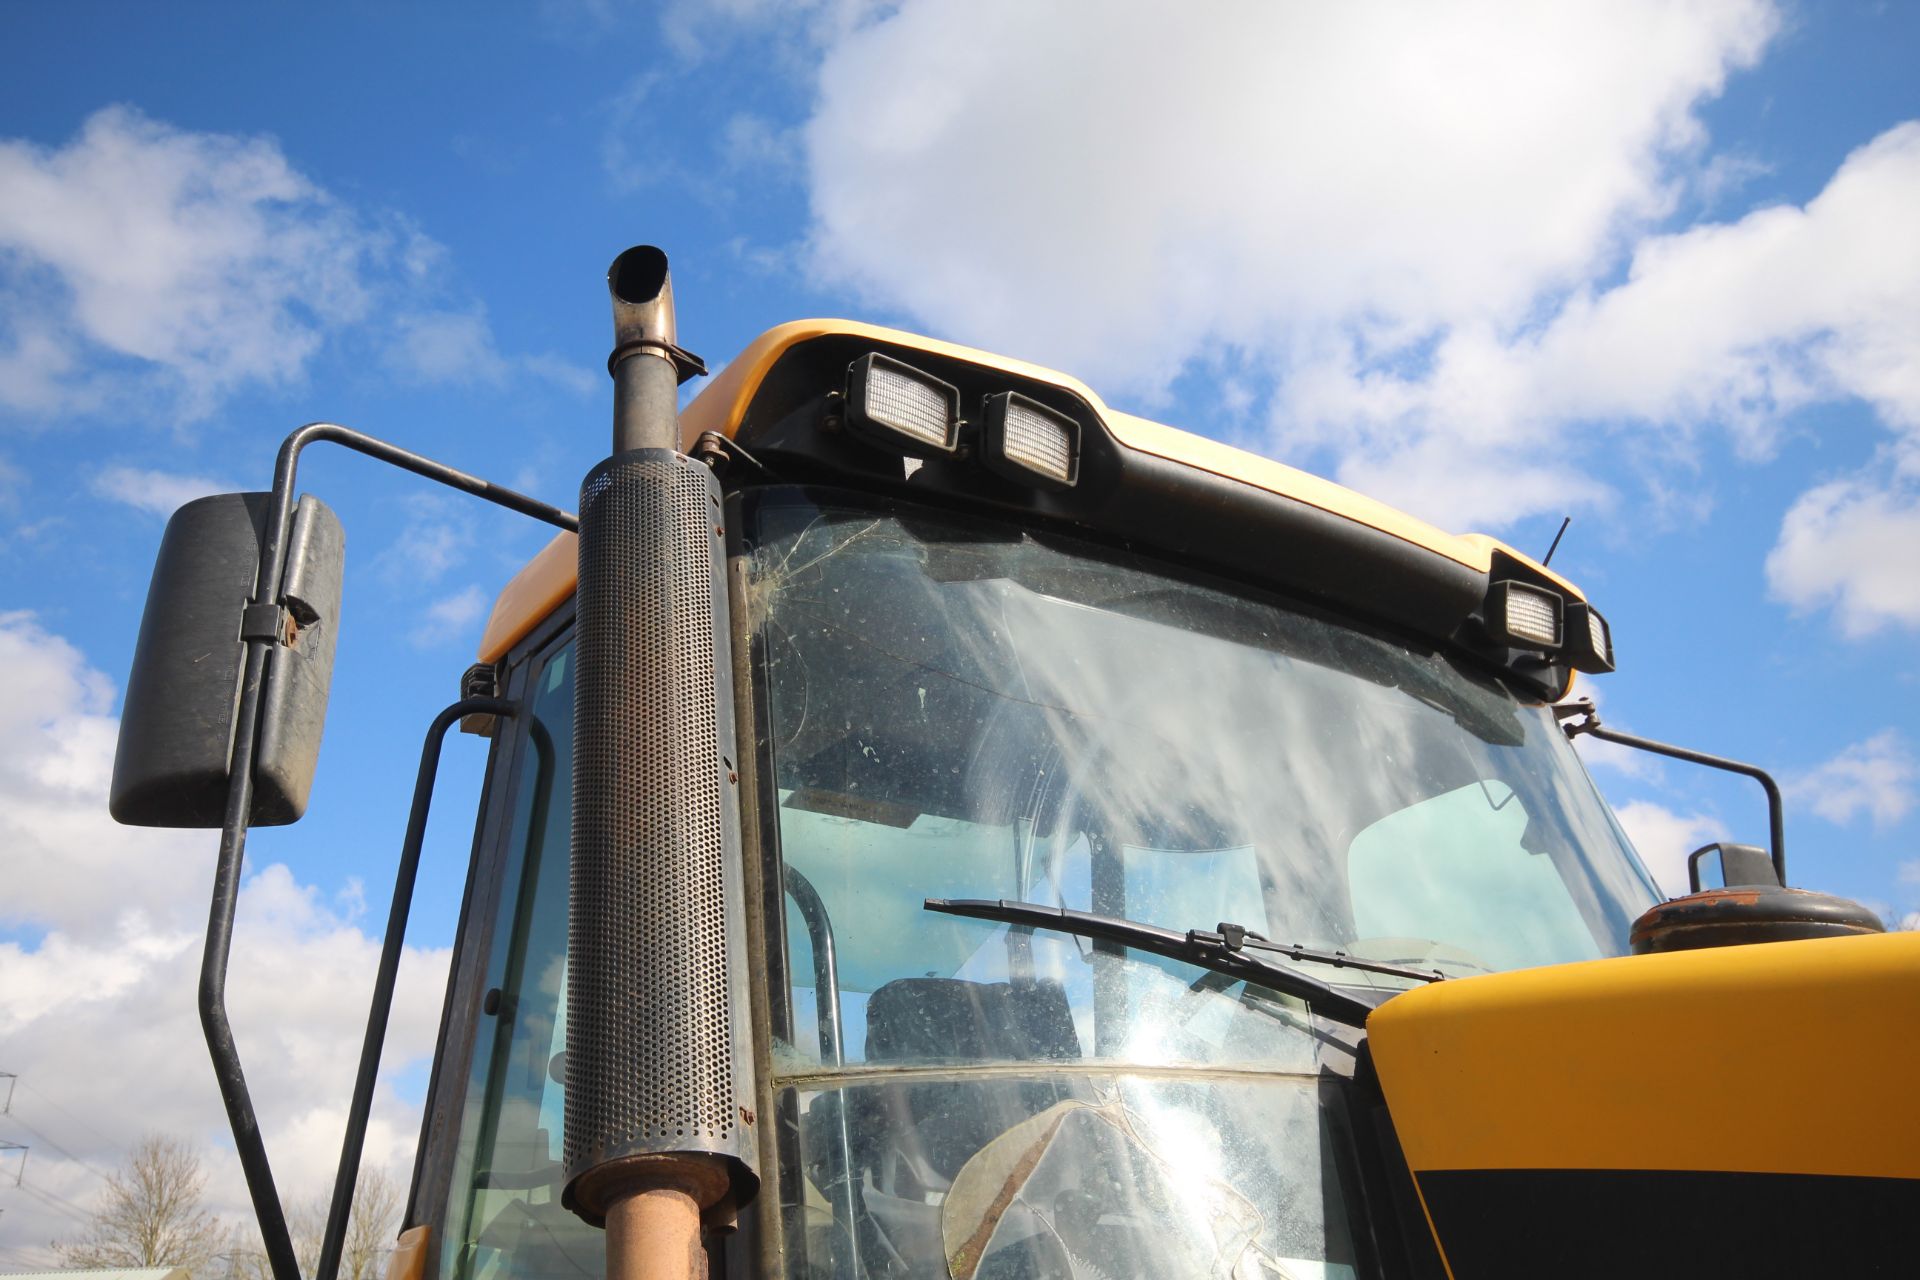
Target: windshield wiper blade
(1222, 951)
(1237, 936)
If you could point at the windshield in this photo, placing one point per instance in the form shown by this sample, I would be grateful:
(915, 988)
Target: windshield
(961, 711)
(955, 709)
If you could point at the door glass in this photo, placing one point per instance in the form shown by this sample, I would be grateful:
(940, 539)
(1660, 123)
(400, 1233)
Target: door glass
(504, 1216)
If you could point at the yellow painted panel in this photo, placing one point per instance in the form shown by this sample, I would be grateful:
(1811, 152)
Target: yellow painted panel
(1230, 463)
(530, 595)
(408, 1261)
(1786, 1057)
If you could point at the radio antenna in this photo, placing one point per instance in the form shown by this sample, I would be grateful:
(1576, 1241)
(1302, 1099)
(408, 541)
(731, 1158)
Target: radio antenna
(1548, 558)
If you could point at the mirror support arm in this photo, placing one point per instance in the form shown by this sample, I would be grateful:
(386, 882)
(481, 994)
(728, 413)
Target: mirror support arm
(213, 979)
(233, 833)
(1776, 809)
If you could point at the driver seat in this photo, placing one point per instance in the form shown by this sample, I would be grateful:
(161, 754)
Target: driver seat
(909, 1141)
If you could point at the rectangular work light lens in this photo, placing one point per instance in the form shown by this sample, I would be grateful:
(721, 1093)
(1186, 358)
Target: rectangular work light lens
(1524, 616)
(1589, 640)
(896, 405)
(1029, 443)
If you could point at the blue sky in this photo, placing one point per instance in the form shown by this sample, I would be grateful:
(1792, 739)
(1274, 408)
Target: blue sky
(1654, 267)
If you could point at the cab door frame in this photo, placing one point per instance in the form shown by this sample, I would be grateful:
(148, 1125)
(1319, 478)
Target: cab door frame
(462, 1010)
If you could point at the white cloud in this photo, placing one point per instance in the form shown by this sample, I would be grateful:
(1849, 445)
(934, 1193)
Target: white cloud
(150, 266)
(437, 535)
(1849, 545)
(447, 346)
(1257, 175)
(1664, 838)
(1877, 778)
(69, 866)
(702, 29)
(13, 479)
(631, 148)
(754, 145)
(450, 618)
(1436, 231)
(298, 997)
(97, 998)
(158, 492)
(1733, 325)
(565, 374)
(204, 257)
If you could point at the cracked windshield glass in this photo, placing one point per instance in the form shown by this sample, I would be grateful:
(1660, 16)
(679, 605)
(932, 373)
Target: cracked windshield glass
(958, 710)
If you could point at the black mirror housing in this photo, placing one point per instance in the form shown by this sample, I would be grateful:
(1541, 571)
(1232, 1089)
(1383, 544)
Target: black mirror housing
(176, 727)
(1741, 865)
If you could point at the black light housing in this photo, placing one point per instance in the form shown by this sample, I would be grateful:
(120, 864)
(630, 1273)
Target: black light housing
(896, 406)
(1589, 640)
(1525, 616)
(1028, 443)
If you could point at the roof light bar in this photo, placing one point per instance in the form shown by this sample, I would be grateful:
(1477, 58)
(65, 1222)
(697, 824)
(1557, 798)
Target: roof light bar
(897, 407)
(1029, 443)
(1523, 616)
(1589, 640)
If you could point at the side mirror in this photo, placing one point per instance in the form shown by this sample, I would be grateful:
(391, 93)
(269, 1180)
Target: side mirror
(1740, 865)
(176, 728)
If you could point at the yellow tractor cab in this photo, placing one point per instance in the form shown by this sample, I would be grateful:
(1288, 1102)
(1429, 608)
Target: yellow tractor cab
(940, 826)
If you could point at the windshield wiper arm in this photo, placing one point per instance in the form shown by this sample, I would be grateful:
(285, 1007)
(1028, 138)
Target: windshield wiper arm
(1222, 951)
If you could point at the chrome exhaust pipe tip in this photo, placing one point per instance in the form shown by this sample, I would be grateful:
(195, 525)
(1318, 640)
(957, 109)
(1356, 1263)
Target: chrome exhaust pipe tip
(646, 410)
(642, 292)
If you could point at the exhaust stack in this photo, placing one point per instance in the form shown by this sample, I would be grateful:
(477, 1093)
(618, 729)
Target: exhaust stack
(659, 1110)
(646, 391)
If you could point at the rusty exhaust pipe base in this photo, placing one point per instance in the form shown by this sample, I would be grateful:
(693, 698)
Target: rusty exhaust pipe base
(654, 1206)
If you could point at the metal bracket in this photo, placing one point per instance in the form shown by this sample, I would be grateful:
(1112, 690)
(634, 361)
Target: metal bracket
(481, 680)
(721, 452)
(268, 622)
(686, 365)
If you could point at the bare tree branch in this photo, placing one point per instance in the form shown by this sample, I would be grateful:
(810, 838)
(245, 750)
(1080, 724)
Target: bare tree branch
(152, 1213)
(371, 1226)
(371, 1229)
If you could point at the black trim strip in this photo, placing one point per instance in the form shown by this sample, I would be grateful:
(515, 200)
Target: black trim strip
(1573, 1223)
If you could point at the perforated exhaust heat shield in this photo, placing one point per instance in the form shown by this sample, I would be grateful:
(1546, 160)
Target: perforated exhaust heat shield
(658, 1049)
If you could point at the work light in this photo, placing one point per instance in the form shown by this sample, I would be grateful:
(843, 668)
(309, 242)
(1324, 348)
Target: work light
(1029, 443)
(897, 407)
(1589, 639)
(1523, 616)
